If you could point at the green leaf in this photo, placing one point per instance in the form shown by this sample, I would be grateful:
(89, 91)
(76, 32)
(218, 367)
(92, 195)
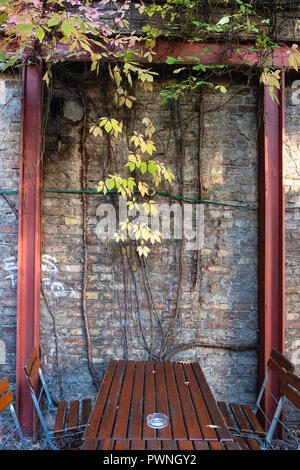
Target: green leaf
(193, 57)
(143, 167)
(24, 27)
(171, 60)
(152, 167)
(3, 17)
(53, 21)
(108, 126)
(179, 70)
(40, 33)
(67, 28)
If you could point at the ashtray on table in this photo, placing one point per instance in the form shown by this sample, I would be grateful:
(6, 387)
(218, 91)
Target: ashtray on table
(157, 420)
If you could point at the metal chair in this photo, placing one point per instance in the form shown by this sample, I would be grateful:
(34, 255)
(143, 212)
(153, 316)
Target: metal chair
(70, 417)
(290, 391)
(6, 400)
(242, 420)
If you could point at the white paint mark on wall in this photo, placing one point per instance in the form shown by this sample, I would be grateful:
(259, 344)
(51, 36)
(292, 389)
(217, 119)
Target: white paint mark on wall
(2, 92)
(48, 267)
(10, 265)
(48, 264)
(296, 354)
(2, 352)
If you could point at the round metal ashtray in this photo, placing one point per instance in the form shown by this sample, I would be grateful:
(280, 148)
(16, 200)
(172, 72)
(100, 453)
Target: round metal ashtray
(157, 420)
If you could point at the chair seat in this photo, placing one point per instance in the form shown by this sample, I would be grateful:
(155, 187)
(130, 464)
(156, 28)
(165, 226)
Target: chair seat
(241, 419)
(72, 416)
(247, 444)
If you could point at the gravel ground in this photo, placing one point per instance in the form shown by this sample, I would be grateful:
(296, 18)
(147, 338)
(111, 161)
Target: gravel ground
(15, 445)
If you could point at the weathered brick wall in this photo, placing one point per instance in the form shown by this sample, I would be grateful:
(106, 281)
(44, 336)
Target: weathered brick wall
(222, 310)
(9, 180)
(292, 219)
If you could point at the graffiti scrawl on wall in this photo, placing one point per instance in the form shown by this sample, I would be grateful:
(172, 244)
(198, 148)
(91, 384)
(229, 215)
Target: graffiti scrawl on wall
(49, 270)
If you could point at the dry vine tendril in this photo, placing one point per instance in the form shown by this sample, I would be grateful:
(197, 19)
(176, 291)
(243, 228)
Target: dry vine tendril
(49, 31)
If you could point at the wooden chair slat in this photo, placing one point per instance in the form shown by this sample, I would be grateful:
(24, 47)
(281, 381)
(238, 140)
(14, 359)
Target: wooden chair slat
(232, 446)
(73, 416)
(240, 418)
(226, 415)
(5, 400)
(4, 386)
(282, 360)
(85, 411)
(253, 444)
(256, 426)
(279, 371)
(31, 368)
(60, 418)
(293, 379)
(292, 394)
(241, 442)
(34, 377)
(33, 356)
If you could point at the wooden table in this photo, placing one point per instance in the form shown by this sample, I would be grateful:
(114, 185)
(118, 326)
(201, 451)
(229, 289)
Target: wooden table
(131, 390)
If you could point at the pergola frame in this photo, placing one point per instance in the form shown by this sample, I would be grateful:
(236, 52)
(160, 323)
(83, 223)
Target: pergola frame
(271, 216)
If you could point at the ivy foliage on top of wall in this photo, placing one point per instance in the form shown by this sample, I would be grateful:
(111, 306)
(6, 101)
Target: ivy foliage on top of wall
(49, 31)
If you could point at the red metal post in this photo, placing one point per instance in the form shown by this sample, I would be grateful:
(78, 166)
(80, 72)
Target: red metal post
(272, 236)
(28, 310)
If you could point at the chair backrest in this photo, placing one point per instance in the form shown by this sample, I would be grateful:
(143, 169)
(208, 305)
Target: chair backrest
(6, 400)
(36, 380)
(278, 365)
(31, 368)
(6, 397)
(290, 388)
(284, 369)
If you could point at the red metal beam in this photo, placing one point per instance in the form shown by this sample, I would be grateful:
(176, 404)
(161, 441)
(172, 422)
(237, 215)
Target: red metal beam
(208, 53)
(28, 309)
(271, 236)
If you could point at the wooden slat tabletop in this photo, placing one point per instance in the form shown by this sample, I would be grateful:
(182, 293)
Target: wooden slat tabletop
(157, 444)
(131, 390)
